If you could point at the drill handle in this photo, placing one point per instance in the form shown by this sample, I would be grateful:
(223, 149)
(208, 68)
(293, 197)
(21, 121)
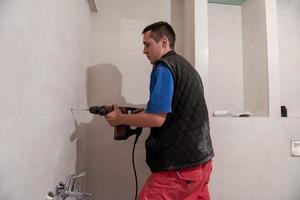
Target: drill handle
(124, 110)
(122, 132)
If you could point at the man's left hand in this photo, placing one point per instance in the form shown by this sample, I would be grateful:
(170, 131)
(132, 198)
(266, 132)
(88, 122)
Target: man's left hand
(113, 118)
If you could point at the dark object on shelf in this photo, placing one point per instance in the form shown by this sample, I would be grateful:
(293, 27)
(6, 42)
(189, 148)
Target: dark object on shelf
(283, 111)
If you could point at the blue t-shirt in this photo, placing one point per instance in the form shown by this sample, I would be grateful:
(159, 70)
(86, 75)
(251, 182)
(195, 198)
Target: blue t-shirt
(161, 90)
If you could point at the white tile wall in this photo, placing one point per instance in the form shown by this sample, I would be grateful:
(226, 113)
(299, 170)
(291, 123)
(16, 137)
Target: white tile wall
(43, 53)
(289, 50)
(56, 54)
(253, 159)
(255, 63)
(119, 73)
(225, 58)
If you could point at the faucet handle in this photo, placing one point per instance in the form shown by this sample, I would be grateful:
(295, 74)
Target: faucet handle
(70, 190)
(78, 194)
(72, 178)
(60, 188)
(50, 196)
(78, 175)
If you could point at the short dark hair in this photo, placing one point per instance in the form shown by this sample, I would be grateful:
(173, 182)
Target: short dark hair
(159, 29)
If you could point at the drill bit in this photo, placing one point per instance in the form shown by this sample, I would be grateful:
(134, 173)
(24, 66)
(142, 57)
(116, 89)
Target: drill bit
(80, 109)
(83, 109)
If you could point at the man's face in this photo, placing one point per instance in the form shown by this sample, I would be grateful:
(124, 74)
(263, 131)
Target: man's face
(153, 50)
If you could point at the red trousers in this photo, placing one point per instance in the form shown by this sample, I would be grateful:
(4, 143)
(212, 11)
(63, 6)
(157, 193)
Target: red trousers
(185, 184)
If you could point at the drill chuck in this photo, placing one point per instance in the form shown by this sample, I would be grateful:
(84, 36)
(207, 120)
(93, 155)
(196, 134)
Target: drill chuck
(100, 110)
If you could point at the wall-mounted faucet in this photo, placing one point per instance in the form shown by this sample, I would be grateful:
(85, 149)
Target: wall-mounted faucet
(63, 191)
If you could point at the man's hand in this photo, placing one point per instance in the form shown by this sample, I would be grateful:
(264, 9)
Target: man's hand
(113, 118)
(137, 118)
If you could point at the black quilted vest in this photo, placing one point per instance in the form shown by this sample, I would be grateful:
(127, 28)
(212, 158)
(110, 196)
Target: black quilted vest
(184, 139)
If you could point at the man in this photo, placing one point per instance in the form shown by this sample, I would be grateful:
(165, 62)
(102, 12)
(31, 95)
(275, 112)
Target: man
(179, 148)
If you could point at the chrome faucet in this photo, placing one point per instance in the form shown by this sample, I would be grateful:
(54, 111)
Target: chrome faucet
(70, 191)
(62, 192)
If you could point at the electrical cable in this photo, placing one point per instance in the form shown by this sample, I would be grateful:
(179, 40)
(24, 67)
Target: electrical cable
(133, 164)
(137, 135)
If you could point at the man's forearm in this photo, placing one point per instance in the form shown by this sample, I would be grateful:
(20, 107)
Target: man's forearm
(143, 119)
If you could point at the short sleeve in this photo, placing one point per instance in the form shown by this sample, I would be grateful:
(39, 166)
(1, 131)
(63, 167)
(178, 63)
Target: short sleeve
(161, 90)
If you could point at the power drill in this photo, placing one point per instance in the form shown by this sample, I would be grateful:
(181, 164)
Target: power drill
(121, 132)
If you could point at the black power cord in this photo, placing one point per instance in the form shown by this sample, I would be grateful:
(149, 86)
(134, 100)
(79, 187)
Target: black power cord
(133, 164)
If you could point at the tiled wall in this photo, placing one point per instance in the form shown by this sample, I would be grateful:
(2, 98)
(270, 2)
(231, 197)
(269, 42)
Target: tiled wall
(289, 50)
(253, 159)
(225, 58)
(119, 73)
(56, 54)
(44, 48)
(255, 63)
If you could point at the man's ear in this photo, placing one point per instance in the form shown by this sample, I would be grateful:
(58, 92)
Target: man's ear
(165, 41)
